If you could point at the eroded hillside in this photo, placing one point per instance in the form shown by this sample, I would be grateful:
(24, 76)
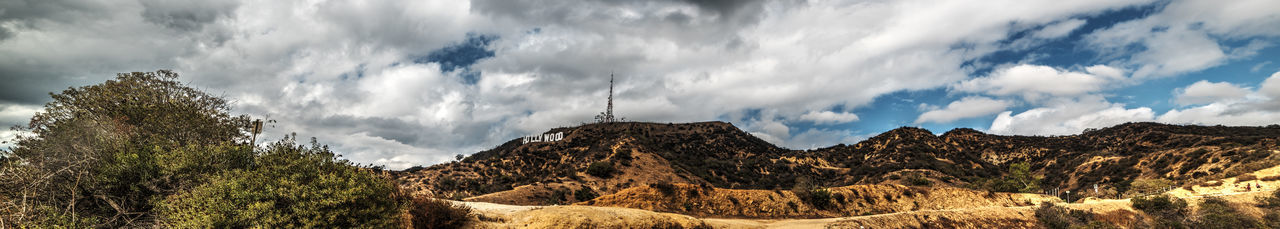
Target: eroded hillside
(612, 159)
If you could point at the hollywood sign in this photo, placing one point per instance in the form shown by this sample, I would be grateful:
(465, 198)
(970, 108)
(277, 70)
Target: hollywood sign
(543, 138)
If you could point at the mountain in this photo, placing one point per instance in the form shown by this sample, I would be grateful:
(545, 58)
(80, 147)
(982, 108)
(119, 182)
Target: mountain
(605, 158)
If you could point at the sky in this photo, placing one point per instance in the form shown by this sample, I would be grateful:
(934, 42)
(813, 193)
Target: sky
(405, 83)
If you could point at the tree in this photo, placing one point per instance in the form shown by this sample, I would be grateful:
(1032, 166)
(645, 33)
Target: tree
(1019, 179)
(1020, 173)
(100, 153)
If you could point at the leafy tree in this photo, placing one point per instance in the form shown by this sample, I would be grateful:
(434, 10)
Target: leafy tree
(103, 152)
(1020, 174)
(289, 186)
(1019, 179)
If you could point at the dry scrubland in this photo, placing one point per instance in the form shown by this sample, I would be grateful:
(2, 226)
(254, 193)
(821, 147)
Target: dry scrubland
(952, 208)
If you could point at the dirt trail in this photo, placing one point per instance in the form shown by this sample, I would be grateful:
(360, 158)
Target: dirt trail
(513, 216)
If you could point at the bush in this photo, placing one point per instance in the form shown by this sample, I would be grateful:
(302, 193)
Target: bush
(1159, 204)
(666, 189)
(1149, 186)
(819, 198)
(584, 194)
(1246, 177)
(601, 169)
(1169, 212)
(1057, 217)
(1270, 202)
(289, 186)
(436, 213)
(1216, 212)
(918, 180)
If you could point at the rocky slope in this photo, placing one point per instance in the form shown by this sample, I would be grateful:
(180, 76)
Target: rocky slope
(602, 159)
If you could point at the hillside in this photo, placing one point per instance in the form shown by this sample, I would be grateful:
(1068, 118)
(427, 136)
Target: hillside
(634, 154)
(600, 160)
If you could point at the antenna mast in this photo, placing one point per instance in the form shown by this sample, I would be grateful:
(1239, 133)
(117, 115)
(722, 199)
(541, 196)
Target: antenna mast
(609, 111)
(607, 115)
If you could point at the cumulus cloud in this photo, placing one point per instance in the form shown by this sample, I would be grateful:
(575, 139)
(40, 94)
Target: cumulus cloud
(1068, 117)
(968, 107)
(1184, 36)
(1207, 103)
(1034, 82)
(829, 117)
(14, 115)
(1207, 92)
(352, 73)
(1228, 104)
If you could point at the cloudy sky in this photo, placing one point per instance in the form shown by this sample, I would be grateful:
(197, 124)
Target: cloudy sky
(402, 83)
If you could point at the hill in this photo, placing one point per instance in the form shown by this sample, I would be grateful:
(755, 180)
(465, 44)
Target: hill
(605, 159)
(624, 155)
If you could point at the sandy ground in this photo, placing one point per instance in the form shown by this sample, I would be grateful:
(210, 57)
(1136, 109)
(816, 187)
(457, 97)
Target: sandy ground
(492, 215)
(512, 216)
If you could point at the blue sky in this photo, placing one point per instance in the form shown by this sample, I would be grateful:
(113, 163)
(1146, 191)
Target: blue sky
(403, 83)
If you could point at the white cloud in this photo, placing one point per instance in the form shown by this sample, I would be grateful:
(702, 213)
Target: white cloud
(1184, 36)
(1203, 91)
(1228, 104)
(1068, 117)
(15, 114)
(968, 107)
(348, 72)
(1058, 29)
(1271, 86)
(829, 117)
(1035, 82)
(1215, 104)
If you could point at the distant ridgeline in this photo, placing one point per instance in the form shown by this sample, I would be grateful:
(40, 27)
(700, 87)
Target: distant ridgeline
(543, 138)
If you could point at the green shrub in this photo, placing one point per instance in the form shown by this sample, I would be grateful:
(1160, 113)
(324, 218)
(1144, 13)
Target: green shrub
(918, 180)
(584, 194)
(1160, 204)
(1058, 217)
(819, 198)
(288, 186)
(666, 189)
(1270, 202)
(601, 169)
(1215, 212)
(1169, 212)
(436, 213)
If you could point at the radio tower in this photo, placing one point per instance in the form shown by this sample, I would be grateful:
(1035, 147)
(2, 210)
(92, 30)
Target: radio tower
(607, 115)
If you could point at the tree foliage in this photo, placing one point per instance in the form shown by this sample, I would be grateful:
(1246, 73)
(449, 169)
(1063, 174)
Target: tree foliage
(1019, 179)
(145, 150)
(102, 153)
(288, 186)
